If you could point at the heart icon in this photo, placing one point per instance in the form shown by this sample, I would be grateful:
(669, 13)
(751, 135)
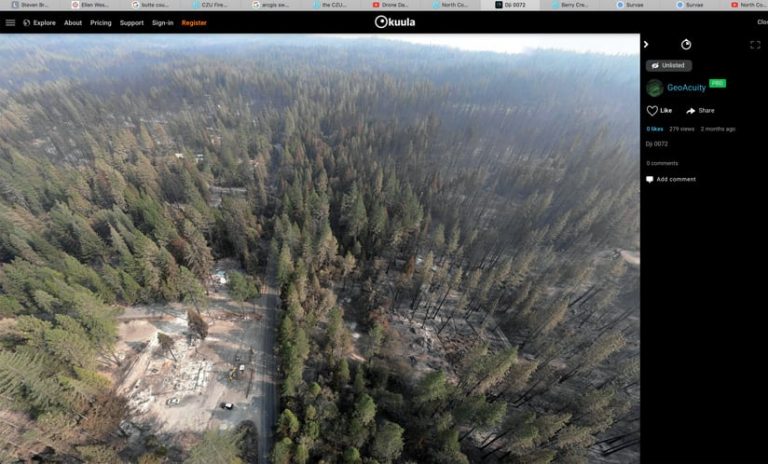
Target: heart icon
(652, 110)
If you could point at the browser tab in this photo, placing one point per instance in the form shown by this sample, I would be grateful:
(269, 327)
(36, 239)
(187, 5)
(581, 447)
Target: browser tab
(207, 5)
(90, 5)
(690, 5)
(630, 5)
(745, 5)
(570, 5)
(269, 5)
(451, 5)
(392, 5)
(23, 5)
(510, 5)
(335, 5)
(151, 5)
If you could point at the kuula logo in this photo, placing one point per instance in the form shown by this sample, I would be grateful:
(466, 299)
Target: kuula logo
(382, 22)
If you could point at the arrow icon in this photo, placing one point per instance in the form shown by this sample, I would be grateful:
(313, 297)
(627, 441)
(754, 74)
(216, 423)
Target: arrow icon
(690, 111)
(645, 44)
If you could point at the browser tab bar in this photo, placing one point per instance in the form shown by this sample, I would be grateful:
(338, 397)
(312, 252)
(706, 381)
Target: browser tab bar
(385, 5)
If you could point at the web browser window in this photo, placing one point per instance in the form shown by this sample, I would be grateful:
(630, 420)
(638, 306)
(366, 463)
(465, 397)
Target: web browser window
(371, 232)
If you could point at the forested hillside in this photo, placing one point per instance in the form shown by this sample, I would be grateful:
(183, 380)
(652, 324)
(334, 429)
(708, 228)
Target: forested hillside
(385, 188)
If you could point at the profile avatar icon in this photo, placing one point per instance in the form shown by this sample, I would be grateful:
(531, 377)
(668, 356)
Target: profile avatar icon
(654, 88)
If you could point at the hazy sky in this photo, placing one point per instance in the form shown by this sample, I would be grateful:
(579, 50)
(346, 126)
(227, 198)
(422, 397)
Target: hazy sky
(625, 44)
